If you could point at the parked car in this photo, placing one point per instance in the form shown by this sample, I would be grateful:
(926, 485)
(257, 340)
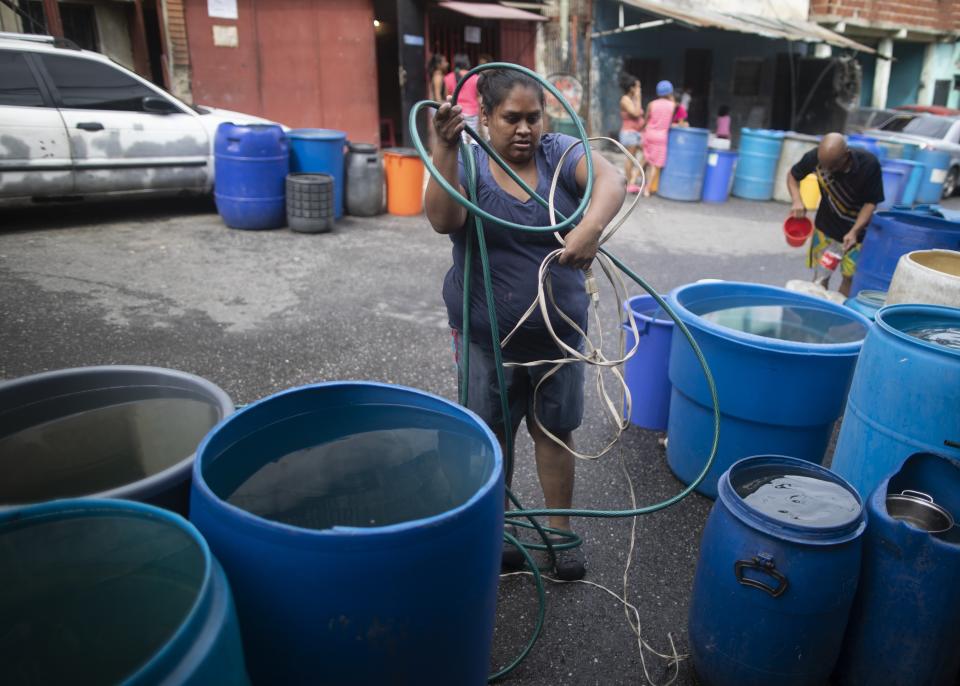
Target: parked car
(864, 118)
(931, 109)
(73, 123)
(927, 130)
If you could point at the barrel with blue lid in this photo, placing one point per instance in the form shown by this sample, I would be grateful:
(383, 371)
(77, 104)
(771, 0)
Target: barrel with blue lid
(868, 143)
(718, 178)
(936, 165)
(782, 362)
(895, 232)
(646, 372)
(111, 591)
(903, 627)
(360, 525)
(682, 176)
(320, 151)
(756, 169)
(904, 396)
(776, 575)
(250, 167)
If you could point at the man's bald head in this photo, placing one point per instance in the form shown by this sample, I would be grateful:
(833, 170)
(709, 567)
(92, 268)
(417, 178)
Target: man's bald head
(833, 154)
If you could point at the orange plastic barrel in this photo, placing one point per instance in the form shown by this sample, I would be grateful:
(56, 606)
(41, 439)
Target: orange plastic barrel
(404, 170)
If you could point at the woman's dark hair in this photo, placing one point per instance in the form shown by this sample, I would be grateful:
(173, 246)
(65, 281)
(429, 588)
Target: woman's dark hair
(723, 110)
(435, 61)
(495, 85)
(627, 81)
(461, 61)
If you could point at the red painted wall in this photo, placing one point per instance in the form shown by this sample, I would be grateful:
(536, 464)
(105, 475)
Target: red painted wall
(518, 41)
(304, 64)
(939, 15)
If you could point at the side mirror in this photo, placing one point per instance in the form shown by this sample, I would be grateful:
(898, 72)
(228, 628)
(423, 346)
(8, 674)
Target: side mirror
(154, 104)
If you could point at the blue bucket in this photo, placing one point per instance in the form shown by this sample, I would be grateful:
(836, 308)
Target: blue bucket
(646, 371)
(757, 167)
(914, 171)
(718, 178)
(894, 181)
(782, 362)
(682, 177)
(903, 628)
(360, 525)
(112, 591)
(904, 397)
(867, 143)
(771, 595)
(320, 151)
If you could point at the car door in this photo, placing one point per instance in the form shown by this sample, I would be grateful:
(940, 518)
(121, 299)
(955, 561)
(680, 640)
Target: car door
(34, 148)
(124, 134)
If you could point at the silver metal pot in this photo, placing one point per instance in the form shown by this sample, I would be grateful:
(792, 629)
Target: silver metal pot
(918, 509)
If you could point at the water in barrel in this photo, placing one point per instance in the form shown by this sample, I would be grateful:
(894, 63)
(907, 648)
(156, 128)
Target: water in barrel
(794, 323)
(947, 336)
(798, 499)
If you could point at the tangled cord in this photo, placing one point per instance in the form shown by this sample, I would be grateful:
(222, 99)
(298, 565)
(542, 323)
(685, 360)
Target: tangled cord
(610, 264)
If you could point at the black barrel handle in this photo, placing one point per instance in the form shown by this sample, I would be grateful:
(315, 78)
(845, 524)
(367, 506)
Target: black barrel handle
(762, 562)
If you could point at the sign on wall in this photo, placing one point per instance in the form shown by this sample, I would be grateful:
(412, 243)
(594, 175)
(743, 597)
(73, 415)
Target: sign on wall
(222, 9)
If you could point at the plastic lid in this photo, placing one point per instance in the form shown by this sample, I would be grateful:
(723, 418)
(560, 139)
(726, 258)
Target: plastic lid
(403, 152)
(317, 134)
(362, 147)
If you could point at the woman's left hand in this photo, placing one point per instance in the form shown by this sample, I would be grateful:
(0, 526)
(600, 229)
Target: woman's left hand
(580, 247)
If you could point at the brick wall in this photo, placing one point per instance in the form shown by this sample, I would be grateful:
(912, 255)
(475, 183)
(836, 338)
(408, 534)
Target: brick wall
(941, 16)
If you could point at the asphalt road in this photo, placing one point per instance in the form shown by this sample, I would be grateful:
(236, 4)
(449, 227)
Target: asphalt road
(165, 283)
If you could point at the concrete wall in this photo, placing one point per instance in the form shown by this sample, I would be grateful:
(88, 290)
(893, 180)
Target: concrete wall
(302, 64)
(114, 32)
(773, 9)
(8, 20)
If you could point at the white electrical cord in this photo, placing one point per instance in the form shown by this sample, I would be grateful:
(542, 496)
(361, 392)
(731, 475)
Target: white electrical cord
(593, 354)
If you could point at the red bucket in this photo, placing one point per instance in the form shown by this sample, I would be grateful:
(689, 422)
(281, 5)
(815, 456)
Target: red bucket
(796, 230)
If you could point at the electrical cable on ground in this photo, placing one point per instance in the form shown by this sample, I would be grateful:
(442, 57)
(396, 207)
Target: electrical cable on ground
(612, 268)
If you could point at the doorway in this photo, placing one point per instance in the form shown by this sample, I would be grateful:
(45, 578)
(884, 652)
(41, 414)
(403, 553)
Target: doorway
(697, 76)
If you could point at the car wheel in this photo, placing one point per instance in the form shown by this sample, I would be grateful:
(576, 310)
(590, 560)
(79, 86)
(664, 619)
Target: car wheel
(951, 182)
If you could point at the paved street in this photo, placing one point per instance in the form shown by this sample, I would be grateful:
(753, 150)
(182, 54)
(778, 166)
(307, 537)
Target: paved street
(165, 283)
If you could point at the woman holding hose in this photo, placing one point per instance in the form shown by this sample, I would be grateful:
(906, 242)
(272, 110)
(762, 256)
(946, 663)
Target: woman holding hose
(512, 111)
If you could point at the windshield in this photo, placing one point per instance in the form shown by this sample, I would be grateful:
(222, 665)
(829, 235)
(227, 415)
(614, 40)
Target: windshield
(897, 123)
(931, 127)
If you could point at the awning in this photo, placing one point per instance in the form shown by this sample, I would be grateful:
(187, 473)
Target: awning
(793, 29)
(490, 10)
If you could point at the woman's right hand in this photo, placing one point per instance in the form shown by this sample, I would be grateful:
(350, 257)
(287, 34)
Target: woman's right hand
(449, 123)
(798, 210)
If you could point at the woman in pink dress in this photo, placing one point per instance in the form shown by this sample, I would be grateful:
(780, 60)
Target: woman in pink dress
(658, 120)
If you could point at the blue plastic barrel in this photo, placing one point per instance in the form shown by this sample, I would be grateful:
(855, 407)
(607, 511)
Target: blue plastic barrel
(914, 172)
(112, 591)
(867, 303)
(894, 180)
(682, 176)
(868, 143)
(251, 164)
(718, 179)
(109, 432)
(782, 362)
(904, 397)
(893, 233)
(903, 627)
(909, 149)
(771, 594)
(936, 164)
(757, 167)
(360, 525)
(646, 371)
(320, 151)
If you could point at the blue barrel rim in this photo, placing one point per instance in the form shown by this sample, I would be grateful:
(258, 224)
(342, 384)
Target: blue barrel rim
(795, 533)
(690, 129)
(940, 312)
(666, 323)
(764, 342)
(304, 536)
(763, 133)
(80, 507)
(317, 134)
(149, 485)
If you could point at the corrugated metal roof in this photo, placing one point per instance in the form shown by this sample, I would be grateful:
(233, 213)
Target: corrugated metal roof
(794, 29)
(489, 10)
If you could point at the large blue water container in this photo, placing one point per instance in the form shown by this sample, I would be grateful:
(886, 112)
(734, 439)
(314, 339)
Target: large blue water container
(771, 594)
(909, 150)
(251, 165)
(867, 303)
(914, 172)
(936, 164)
(894, 180)
(360, 525)
(757, 167)
(867, 143)
(320, 151)
(718, 179)
(646, 372)
(782, 362)
(682, 177)
(904, 396)
(111, 591)
(894, 233)
(903, 627)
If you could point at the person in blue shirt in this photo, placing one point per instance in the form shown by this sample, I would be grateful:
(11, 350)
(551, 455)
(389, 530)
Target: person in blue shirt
(512, 111)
